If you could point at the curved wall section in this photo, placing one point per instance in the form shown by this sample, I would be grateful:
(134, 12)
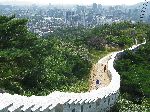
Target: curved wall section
(99, 100)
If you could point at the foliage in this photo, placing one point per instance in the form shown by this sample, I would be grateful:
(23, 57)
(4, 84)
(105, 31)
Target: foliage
(31, 65)
(119, 35)
(61, 61)
(134, 69)
(124, 105)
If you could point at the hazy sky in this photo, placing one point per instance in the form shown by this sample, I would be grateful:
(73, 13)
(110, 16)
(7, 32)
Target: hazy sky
(43, 2)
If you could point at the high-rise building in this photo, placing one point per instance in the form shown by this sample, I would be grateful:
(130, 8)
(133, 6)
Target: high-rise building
(99, 6)
(83, 19)
(95, 7)
(68, 17)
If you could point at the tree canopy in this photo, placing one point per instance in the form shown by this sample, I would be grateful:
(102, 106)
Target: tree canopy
(30, 64)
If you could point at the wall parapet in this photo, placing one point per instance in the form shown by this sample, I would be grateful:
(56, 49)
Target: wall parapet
(99, 100)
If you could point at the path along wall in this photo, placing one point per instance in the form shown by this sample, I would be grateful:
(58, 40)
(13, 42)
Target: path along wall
(99, 100)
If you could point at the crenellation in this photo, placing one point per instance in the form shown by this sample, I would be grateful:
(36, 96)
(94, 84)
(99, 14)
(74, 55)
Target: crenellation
(27, 108)
(100, 100)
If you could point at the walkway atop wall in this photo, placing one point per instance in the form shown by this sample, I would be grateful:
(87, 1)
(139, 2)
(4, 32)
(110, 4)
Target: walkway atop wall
(94, 101)
(99, 74)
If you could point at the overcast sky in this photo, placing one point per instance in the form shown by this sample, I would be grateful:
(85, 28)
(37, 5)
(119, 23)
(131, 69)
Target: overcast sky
(82, 2)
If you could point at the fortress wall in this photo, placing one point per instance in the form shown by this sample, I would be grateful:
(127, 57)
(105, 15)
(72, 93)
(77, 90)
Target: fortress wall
(99, 100)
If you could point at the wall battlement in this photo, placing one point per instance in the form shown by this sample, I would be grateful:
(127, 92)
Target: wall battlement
(99, 100)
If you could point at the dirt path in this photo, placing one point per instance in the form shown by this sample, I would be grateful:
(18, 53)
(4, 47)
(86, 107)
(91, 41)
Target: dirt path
(99, 77)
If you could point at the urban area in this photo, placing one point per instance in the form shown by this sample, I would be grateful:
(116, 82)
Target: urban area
(44, 19)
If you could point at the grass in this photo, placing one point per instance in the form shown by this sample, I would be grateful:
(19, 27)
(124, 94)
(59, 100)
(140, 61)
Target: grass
(97, 55)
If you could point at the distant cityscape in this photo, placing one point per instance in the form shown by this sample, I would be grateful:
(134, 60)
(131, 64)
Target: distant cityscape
(44, 19)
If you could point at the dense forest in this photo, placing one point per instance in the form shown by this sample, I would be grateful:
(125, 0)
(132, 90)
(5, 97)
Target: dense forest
(62, 61)
(134, 69)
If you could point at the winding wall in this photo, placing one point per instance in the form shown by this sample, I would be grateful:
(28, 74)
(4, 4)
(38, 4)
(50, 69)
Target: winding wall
(99, 100)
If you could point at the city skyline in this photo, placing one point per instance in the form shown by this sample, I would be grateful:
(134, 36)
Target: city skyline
(70, 2)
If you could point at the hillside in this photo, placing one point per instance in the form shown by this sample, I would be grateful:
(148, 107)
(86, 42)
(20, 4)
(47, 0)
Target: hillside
(134, 69)
(62, 61)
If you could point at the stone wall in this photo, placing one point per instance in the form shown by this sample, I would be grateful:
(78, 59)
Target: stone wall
(99, 100)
